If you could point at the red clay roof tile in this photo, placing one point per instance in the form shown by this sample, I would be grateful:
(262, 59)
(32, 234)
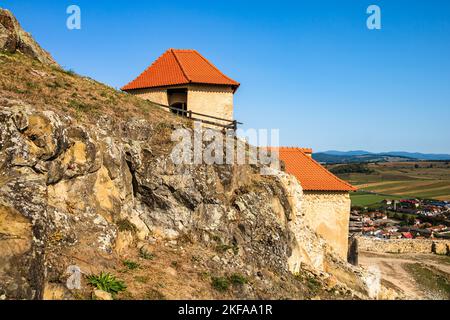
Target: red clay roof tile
(178, 67)
(311, 175)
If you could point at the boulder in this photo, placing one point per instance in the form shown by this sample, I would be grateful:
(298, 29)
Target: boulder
(101, 295)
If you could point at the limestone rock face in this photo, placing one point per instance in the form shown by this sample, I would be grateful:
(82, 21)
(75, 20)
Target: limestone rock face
(65, 188)
(13, 38)
(101, 295)
(70, 192)
(81, 192)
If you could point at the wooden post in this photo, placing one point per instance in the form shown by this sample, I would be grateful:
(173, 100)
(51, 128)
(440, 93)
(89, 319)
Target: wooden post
(353, 251)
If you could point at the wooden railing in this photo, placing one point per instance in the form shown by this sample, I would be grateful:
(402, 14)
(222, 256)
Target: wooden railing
(229, 124)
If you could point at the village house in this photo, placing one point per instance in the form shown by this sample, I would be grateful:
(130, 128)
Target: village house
(326, 203)
(187, 82)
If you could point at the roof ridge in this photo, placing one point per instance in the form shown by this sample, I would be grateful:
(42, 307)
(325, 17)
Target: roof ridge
(293, 149)
(327, 171)
(183, 50)
(213, 66)
(180, 65)
(147, 69)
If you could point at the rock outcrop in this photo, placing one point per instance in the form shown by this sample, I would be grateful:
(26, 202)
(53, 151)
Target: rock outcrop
(13, 38)
(87, 183)
(81, 195)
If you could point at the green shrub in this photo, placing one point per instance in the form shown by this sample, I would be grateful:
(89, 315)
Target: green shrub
(69, 72)
(238, 279)
(221, 284)
(126, 225)
(144, 254)
(352, 168)
(131, 265)
(81, 107)
(107, 282)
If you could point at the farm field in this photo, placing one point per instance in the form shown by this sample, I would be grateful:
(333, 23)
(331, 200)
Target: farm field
(429, 180)
(362, 199)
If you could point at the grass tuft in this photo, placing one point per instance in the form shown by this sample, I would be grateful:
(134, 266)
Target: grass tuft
(221, 284)
(107, 282)
(131, 265)
(238, 279)
(145, 254)
(126, 225)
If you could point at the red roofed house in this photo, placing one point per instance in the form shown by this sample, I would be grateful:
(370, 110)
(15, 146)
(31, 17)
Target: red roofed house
(326, 198)
(184, 79)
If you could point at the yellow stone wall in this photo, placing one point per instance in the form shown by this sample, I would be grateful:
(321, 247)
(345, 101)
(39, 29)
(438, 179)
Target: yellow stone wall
(441, 247)
(154, 95)
(328, 214)
(215, 101)
(212, 100)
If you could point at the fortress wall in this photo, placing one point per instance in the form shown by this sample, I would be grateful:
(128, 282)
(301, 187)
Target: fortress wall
(328, 214)
(441, 247)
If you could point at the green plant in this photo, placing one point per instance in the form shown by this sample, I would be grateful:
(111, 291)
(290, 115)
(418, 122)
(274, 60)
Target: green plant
(131, 265)
(221, 284)
(81, 107)
(69, 72)
(144, 254)
(238, 279)
(126, 225)
(31, 85)
(107, 282)
(313, 284)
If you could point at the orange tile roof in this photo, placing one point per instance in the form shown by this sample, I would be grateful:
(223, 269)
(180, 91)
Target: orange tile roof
(179, 67)
(311, 175)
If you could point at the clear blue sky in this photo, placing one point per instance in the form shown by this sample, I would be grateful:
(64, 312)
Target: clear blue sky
(310, 68)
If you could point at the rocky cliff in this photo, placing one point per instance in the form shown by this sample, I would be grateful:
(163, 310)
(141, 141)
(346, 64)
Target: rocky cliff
(13, 38)
(86, 181)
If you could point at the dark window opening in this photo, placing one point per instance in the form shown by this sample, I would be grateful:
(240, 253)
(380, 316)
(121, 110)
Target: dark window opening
(178, 100)
(179, 109)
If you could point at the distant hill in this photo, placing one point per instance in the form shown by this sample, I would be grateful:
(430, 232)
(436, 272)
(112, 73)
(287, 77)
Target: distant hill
(421, 156)
(366, 156)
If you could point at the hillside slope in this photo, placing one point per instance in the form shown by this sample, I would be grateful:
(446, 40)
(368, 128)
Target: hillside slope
(86, 180)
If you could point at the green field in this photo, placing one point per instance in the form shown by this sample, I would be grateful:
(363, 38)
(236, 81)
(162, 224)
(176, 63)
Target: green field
(362, 199)
(426, 180)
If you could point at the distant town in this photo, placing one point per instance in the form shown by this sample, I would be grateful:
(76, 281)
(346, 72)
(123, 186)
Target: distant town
(403, 219)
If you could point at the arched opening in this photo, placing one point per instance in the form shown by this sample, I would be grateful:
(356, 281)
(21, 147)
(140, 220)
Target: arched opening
(178, 100)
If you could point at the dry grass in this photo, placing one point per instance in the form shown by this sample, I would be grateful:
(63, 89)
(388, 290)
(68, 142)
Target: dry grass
(51, 88)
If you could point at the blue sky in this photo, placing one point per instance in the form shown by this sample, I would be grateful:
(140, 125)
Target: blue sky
(310, 68)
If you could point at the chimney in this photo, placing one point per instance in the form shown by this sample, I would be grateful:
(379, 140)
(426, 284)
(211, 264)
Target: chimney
(308, 151)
